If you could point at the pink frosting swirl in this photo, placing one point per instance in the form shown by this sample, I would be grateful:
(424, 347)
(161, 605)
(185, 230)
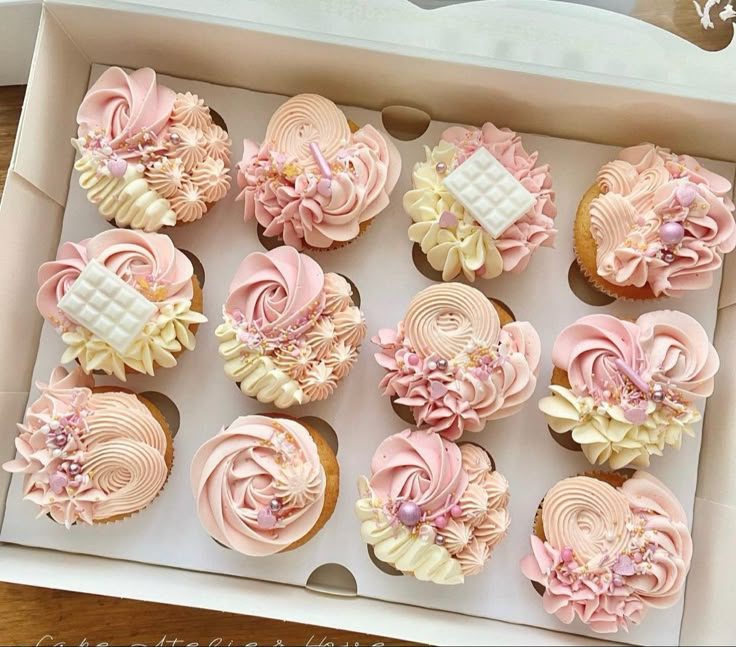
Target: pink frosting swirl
(237, 475)
(453, 363)
(663, 221)
(124, 105)
(610, 553)
(420, 467)
(277, 291)
(312, 181)
(147, 261)
(536, 228)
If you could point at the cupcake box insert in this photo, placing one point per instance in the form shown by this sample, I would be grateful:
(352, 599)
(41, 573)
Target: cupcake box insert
(44, 204)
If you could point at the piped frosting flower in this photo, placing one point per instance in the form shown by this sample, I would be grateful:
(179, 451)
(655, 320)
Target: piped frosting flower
(313, 181)
(607, 553)
(626, 390)
(415, 508)
(453, 363)
(454, 242)
(279, 339)
(662, 221)
(142, 149)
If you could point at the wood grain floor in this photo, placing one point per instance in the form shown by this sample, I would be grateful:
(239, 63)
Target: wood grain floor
(30, 616)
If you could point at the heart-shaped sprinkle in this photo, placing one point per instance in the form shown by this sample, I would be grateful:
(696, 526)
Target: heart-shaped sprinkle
(636, 416)
(685, 194)
(57, 482)
(624, 565)
(437, 390)
(447, 220)
(117, 167)
(266, 518)
(324, 187)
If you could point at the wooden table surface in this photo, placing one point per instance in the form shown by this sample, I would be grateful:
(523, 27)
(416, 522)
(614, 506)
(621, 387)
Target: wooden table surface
(30, 616)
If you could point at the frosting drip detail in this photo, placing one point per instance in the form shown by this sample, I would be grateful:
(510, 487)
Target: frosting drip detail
(259, 485)
(632, 384)
(290, 332)
(89, 457)
(453, 363)
(610, 553)
(423, 513)
(312, 181)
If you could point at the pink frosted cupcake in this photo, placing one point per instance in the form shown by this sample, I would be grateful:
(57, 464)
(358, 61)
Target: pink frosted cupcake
(606, 548)
(431, 508)
(91, 454)
(150, 157)
(317, 180)
(480, 205)
(458, 360)
(625, 390)
(654, 224)
(122, 301)
(290, 331)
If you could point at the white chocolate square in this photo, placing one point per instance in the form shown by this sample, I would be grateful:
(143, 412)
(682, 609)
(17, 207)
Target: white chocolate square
(107, 306)
(490, 194)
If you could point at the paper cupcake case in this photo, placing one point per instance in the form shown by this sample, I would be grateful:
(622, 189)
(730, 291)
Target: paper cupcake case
(380, 264)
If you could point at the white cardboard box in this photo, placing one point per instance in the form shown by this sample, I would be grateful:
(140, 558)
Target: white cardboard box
(565, 85)
(18, 27)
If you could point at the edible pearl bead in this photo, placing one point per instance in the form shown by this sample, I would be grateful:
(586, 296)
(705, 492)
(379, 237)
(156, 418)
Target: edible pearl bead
(439, 540)
(174, 138)
(56, 453)
(669, 257)
(45, 429)
(275, 505)
(672, 233)
(412, 359)
(54, 425)
(658, 393)
(409, 513)
(456, 511)
(441, 167)
(441, 522)
(610, 536)
(74, 468)
(566, 554)
(442, 364)
(432, 366)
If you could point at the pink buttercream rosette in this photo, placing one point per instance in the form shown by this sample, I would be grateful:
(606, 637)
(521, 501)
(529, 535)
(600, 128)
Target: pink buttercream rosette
(313, 182)
(662, 221)
(610, 553)
(169, 139)
(454, 365)
(453, 241)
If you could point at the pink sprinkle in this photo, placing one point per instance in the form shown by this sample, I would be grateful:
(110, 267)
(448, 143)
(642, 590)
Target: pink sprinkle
(57, 482)
(635, 378)
(320, 159)
(637, 557)
(447, 220)
(623, 566)
(266, 518)
(685, 194)
(441, 522)
(636, 416)
(456, 511)
(117, 167)
(413, 359)
(566, 554)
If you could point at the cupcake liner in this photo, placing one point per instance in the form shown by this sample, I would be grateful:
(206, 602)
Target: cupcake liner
(586, 251)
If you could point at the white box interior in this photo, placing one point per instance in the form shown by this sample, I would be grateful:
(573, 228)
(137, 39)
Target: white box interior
(39, 191)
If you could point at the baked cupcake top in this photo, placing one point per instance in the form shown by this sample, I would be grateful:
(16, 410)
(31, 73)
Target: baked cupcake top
(662, 221)
(89, 457)
(121, 299)
(452, 362)
(313, 181)
(149, 156)
(480, 205)
(609, 553)
(629, 388)
(259, 484)
(431, 508)
(291, 332)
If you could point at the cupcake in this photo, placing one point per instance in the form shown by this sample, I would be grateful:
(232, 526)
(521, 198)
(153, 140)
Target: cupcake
(290, 331)
(122, 301)
(623, 391)
(654, 224)
(480, 205)
(265, 484)
(605, 548)
(149, 157)
(458, 360)
(317, 180)
(431, 508)
(91, 454)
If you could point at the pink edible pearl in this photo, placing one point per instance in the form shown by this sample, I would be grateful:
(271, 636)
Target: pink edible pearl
(441, 522)
(409, 513)
(566, 554)
(637, 557)
(455, 511)
(672, 233)
(413, 359)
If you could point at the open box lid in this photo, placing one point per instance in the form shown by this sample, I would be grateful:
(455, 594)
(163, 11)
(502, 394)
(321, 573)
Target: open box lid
(394, 44)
